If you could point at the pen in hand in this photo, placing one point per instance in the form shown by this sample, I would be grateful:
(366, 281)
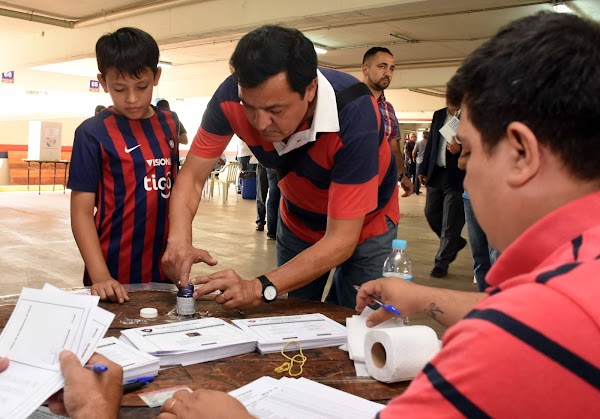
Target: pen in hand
(387, 307)
(97, 368)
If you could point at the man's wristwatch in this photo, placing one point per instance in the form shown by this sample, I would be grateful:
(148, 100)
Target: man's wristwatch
(269, 291)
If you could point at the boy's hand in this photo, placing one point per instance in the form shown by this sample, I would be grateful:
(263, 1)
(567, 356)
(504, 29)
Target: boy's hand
(110, 289)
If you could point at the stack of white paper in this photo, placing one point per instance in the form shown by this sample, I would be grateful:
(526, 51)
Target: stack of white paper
(43, 323)
(294, 398)
(190, 342)
(135, 363)
(310, 330)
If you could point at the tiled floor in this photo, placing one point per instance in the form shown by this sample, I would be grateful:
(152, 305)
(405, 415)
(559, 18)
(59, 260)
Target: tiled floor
(37, 245)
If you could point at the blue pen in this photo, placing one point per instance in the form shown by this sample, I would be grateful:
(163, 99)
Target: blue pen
(97, 368)
(387, 307)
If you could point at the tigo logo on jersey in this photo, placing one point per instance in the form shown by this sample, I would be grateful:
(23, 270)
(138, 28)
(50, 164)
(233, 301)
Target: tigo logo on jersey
(159, 162)
(162, 184)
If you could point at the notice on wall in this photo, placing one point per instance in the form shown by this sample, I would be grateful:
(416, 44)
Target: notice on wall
(44, 140)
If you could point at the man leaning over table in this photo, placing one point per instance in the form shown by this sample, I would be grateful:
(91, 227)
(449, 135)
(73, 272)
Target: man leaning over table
(339, 205)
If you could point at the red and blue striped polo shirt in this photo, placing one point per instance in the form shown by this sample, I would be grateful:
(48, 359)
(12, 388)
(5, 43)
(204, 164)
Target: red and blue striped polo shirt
(343, 175)
(130, 165)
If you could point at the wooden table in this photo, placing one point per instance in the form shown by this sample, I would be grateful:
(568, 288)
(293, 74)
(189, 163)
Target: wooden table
(40, 162)
(330, 366)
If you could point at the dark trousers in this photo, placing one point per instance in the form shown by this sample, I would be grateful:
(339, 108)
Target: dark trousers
(262, 188)
(272, 202)
(266, 183)
(445, 214)
(416, 181)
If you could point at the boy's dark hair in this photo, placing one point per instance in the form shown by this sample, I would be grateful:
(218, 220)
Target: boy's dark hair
(373, 51)
(544, 71)
(270, 50)
(163, 103)
(127, 50)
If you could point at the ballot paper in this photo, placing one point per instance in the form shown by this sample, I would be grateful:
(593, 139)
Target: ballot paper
(190, 342)
(43, 323)
(310, 330)
(449, 130)
(294, 398)
(135, 363)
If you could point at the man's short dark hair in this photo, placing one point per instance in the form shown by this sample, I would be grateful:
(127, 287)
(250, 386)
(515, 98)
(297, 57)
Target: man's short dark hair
(373, 51)
(127, 50)
(163, 103)
(99, 109)
(270, 50)
(544, 71)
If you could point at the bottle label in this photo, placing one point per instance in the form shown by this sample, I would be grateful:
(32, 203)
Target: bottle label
(186, 306)
(398, 275)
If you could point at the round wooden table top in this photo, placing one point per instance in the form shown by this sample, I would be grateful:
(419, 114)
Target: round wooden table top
(330, 366)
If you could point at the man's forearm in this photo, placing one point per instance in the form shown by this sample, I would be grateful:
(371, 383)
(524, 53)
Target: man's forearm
(447, 306)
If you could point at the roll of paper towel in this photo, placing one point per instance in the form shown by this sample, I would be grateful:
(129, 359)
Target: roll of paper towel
(399, 353)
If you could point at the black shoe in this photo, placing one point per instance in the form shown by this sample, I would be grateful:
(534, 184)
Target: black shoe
(438, 272)
(260, 227)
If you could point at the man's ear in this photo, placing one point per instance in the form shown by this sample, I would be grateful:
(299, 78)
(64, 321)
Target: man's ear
(311, 90)
(365, 70)
(525, 151)
(102, 81)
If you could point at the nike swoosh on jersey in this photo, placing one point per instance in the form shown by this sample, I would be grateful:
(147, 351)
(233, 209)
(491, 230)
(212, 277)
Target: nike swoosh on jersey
(129, 150)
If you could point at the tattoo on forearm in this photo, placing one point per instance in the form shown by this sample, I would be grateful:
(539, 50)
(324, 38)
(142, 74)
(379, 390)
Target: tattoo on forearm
(433, 310)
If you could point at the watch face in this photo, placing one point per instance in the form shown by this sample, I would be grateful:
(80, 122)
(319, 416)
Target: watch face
(270, 293)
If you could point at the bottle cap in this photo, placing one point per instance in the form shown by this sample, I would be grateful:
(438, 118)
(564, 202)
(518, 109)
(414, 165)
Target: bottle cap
(399, 244)
(148, 313)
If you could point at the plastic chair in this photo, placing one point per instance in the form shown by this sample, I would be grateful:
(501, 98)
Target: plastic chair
(225, 176)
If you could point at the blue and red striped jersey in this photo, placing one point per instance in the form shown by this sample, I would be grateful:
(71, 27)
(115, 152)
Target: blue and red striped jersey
(343, 175)
(130, 165)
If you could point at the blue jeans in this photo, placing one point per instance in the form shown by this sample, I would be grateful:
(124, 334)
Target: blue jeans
(365, 264)
(483, 255)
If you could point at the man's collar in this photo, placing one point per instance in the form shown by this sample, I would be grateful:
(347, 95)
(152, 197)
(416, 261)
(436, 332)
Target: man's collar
(325, 118)
(381, 97)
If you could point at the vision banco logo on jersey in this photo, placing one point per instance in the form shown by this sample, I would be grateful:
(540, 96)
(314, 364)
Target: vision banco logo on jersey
(162, 184)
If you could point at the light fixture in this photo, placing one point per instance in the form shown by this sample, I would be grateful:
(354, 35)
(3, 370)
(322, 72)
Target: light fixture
(320, 50)
(559, 6)
(165, 64)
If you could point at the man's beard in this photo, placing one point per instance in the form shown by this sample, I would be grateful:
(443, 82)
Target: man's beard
(382, 84)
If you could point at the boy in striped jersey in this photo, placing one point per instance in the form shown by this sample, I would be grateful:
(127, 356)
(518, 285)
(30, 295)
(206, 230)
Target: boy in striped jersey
(124, 163)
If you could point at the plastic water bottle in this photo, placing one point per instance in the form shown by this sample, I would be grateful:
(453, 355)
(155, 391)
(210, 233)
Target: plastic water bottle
(398, 265)
(186, 305)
